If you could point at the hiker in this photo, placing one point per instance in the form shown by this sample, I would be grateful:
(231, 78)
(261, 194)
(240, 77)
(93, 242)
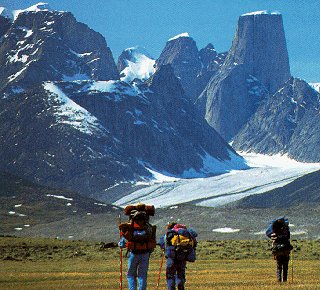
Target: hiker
(179, 245)
(138, 236)
(279, 233)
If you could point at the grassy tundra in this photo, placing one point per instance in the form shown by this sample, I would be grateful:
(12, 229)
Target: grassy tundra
(56, 264)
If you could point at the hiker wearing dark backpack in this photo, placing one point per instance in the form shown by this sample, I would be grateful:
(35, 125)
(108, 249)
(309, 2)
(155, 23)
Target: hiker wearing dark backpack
(279, 233)
(138, 236)
(179, 245)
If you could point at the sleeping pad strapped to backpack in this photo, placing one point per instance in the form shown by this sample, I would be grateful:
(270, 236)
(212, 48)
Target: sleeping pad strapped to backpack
(181, 243)
(140, 236)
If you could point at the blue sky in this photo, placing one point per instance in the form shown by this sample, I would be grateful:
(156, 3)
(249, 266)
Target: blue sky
(150, 23)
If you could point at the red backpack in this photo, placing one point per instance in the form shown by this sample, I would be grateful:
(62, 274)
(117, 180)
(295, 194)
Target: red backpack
(139, 233)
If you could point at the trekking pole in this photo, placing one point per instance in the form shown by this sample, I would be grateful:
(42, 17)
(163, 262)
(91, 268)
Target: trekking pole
(160, 269)
(292, 268)
(120, 282)
(292, 263)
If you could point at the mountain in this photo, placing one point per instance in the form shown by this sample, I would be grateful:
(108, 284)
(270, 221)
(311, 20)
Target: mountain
(45, 136)
(286, 123)
(42, 45)
(48, 138)
(193, 67)
(67, 121)
(304, 191)
(256, 65)
(135, 63)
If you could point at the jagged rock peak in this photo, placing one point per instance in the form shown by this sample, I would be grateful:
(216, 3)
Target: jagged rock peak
(182, 53)
(42, 45)
(207, 54)
(260, 44)
(180, 49)
(256, 65)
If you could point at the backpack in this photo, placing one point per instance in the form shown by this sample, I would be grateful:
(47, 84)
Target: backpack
(139, 237)
(181, 243)
(278, 231)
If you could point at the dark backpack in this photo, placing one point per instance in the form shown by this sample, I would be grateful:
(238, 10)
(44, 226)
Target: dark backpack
(279, 232)
(181, 243)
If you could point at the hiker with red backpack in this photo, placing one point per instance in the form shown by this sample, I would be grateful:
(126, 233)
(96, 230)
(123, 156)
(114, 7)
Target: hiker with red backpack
(179, 245)
(139, 237)
(278, 231)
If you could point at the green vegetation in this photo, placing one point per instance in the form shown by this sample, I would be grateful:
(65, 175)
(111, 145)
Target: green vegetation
(36, 263)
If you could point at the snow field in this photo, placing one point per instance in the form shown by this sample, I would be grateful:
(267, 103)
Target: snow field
(265, 173)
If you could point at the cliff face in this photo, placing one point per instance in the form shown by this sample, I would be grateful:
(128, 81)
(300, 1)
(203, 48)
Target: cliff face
(260, 45)
(256, 65)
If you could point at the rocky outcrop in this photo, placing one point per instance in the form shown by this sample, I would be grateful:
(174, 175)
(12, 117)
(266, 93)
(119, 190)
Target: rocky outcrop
(5, 24)
(258, 53)
(287, 122)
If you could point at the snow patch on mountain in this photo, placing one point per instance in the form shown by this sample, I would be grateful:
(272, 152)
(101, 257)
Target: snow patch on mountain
(212, 165)
(316, 86)
(60, 197)
(263, 12)
(41, 6)
(140, 65)
(68, 112)
(185, 34)
(17, 74)
(265, 173)
(118, 90)
(226, 230)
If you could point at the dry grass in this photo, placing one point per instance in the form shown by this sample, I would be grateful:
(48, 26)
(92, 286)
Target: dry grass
(204, 274)
(99, 269)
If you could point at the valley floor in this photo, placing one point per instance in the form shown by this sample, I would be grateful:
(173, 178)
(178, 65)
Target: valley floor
(87, 265)
(204, 274)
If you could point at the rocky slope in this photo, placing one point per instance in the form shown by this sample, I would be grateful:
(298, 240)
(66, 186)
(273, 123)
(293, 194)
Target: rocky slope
(286, 123)
(304, 191)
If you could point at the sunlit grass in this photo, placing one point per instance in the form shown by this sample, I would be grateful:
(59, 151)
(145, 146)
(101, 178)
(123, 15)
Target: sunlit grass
(240, 268)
